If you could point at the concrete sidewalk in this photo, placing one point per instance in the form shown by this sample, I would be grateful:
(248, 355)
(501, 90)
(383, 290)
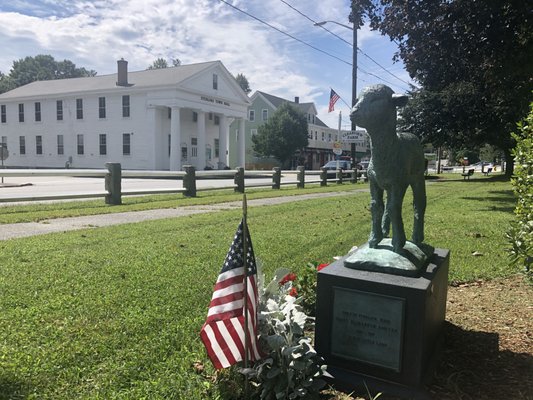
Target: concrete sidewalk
(13, 231)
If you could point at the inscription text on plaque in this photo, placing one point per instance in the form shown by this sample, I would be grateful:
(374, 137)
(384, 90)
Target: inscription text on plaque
(367, 327)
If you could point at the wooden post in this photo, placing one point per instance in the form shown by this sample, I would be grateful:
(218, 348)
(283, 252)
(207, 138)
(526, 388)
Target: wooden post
(301, 177)
(276, 178)
(113, 184)
(189, 181)
(239, 180)
(353, 176)
(339, 176)
(323, 177)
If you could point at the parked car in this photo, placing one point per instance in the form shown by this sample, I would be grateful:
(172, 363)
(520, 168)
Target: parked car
(344, 165)
(362, 165)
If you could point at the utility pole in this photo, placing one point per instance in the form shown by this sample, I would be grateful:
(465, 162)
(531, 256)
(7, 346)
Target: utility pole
(354, 72)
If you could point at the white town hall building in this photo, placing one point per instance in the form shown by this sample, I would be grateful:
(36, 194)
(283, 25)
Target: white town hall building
(159, 119)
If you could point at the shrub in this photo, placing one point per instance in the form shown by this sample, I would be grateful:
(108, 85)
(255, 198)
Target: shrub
(521, 233)
(291, 369)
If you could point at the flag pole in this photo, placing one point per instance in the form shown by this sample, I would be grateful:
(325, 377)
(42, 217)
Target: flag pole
(245, 251)
(245, 289)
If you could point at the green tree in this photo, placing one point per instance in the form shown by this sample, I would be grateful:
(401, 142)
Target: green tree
(472, 59)
(158, 64)
(283, 134)
(40, 68)
(162, 63)
(243, 83)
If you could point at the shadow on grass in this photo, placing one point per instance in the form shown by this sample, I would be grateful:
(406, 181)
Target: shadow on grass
(473, 367)
(499, 200)
(11, 389)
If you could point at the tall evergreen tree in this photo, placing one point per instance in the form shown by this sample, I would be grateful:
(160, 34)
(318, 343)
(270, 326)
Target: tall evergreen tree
(243, 83)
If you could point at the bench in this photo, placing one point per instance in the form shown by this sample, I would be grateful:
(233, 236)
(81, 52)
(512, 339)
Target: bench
(488, 171)
(468, 173)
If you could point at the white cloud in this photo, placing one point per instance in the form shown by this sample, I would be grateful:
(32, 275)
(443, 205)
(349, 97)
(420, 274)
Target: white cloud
(94, 34)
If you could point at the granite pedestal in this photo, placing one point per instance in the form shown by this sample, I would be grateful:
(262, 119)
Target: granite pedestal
(381, 329)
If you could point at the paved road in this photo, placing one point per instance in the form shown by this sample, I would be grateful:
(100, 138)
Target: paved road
(12, 231)
(41, 186)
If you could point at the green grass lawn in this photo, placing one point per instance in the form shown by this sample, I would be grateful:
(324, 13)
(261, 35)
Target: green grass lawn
(114, 313)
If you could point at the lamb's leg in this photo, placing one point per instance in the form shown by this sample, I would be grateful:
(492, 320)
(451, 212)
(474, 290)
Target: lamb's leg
(385, 222)
(419, 206)
(394, 206)
(376, 207)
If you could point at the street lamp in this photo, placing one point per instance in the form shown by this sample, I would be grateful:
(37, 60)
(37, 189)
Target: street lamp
(354, 70)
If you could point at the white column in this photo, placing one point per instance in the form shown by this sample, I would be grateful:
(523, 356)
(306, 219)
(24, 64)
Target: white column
(152, 126)
(223, 135)
(175, 139)
(201, 161)
(242, 143)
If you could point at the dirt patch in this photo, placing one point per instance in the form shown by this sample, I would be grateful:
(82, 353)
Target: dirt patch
(488, 348)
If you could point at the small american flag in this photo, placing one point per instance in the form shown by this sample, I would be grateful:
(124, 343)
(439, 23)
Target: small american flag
(223, 331)
(333, 97)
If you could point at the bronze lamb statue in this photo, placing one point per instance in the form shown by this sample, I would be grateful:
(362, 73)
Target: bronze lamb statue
(397, 161)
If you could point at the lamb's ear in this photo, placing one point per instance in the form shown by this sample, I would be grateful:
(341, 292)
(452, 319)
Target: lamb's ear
(399, 100)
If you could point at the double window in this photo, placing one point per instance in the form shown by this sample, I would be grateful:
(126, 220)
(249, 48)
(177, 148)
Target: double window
(103, 144)
(21, 112)
(81, 149)
(126, 106)
(101, 107)
(60, 145)
(126, 144)
(37, 111)
(38, 144)
(59, 110)
(79, 109)
(22, 145)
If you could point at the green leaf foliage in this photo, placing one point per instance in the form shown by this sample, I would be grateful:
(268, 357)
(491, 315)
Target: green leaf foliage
(521, 233)
(472, 60)
(40, 68)
(283, 134)
(291, 369)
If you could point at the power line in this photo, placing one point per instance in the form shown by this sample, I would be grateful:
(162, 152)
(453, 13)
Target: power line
(285, 33)
(350, 44)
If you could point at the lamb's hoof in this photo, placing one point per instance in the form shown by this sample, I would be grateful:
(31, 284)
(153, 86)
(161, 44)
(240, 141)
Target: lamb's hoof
(398, 247)
(374, 242)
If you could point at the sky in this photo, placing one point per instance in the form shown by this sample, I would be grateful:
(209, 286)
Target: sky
(304, 61)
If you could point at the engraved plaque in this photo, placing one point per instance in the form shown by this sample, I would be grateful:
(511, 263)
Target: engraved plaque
(367, 327)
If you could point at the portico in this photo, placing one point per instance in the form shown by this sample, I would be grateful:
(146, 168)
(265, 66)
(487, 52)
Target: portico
(155, 119)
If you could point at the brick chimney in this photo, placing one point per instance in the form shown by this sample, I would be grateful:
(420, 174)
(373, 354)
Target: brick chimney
(122, 72)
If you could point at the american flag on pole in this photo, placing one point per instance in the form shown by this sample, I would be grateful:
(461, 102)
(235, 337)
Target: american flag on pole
(333, 97)
(223, 332)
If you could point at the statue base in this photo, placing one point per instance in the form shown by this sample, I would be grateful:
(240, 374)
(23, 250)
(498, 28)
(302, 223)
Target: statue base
(411, 261)
(381, 329)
